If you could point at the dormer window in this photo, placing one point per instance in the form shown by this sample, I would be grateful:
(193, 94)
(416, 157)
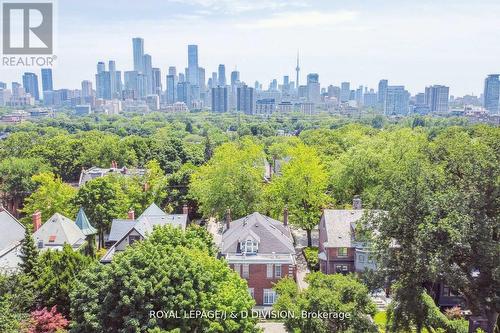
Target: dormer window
(249, 246)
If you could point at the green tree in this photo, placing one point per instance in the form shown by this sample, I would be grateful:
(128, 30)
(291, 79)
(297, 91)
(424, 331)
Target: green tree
(301, 188)
(161, 273)
(57, 277)
(103, 200)
(231, 179)
(343, 298)
(28, 255)
(51, 196)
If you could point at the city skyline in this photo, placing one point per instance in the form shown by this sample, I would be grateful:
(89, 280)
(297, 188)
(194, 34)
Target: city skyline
(335, 42)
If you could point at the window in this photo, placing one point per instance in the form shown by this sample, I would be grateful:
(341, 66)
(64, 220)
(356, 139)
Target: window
(132, 239)
(246, 271)
(269, 297)
(237, 268)
(277, 271)
(447, 291)
(52, 239)
(251, 292)
(40, 244)
(249, 246)
(342, 252)
(269, 271)
(341, 268)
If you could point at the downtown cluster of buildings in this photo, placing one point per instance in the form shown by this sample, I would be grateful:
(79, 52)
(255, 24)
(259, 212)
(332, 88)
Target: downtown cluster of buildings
(143, 89)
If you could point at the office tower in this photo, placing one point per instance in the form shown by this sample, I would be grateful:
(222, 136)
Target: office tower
(313, 88)
(3, 85)
(235, 77)
(437, 98)
(138, 49)
(220, 98)
(244, 100)
(102, 82)
(396, 100)
(286, 84)
(297, 70)
(193, 78)
(492, 93)
(215, 80)
(359, 96)
(171, 85)
(182, 77)
(256, 85)
(273, 85)
(30, 84)
(420, 99)
(148, 72)
(184, 93)
(370, 99)
(201, 79)
(172, 71)
(135, 84)
(47, 79)
(222, 75)
(86, 89)
(112, 78)
(17, 90)
(382, 92)
(345, 92)
(156, 75)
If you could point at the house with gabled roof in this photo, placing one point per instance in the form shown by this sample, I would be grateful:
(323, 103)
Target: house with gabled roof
(260, 249)
(11, 236)
(57, 231)
(125, 232)
(96, 172)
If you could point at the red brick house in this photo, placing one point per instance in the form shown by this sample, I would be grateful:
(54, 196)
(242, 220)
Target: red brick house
(260, 249)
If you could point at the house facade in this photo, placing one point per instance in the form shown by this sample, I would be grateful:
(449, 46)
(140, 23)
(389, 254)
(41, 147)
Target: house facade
(260, 249)
(125, 232)
(339, 251)
(11, 235)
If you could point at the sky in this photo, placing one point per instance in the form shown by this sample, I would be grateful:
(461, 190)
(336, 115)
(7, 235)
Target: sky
(411, 43)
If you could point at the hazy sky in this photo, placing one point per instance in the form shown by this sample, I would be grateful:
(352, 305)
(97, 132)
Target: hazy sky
(415, 43)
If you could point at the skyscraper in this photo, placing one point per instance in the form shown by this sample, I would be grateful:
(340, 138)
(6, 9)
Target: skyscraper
(396, 101)
(437, 98)
(172, 71)
(138, 49)
(112, 78)
(86, 88)
(171, 85)
(201, 79)
(382, 92)
(47, 79)
(102, 82)
(184, 93)
(30, 84)
(148, 73)
(219, 99)
(156, 74)
(245, 99)
(313, 88)
(492, 93)
(345, 92)
(193, 65)
(222, 75)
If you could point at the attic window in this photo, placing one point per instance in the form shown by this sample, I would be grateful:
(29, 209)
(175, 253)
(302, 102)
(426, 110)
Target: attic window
(52, 239)
(249, 246)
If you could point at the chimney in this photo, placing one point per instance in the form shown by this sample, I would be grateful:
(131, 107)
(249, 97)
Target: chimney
(131, 214)
(356, 202)
(185, 209)
(285, 216)
(228, 218)
(37, 220)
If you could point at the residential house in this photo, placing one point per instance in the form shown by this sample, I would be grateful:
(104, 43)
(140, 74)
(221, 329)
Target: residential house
(96, 172)
(339, 251)
(125, 232)
(260, 249)
(11, 235)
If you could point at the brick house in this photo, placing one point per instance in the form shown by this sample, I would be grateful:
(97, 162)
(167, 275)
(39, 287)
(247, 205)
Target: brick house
(260, 249)
(339, 251)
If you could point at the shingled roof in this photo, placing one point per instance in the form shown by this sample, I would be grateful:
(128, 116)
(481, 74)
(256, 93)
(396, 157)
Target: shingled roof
(83, 223)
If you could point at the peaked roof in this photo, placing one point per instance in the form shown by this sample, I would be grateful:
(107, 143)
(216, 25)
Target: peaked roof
(11, 230)
(83, 223)
(59, 230)
(271, 234)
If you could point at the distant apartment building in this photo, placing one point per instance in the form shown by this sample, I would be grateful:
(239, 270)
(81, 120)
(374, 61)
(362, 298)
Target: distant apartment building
(220, 99)
(492, 93)
(265, 106)
(30, 84)
(396, 101)
(245, 99)
(437, 98)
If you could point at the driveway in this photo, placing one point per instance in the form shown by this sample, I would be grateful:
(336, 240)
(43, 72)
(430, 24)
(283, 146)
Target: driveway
(272, 327)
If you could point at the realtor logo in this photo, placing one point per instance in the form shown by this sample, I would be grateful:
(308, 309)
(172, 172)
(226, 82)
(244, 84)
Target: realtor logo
(27, 28)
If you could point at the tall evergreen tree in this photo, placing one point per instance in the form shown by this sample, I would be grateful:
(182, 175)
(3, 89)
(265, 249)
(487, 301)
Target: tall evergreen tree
(29, 254)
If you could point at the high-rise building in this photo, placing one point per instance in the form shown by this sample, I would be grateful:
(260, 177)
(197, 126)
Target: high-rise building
(297, 70)
(138, 49)
(148, 72)
(135, 84)
(235, 77)
(345, 92)
(396, 101)
(437, 98)
(382, 92)
(172, 71)
(201, 79)
(222, 75)
(86, 88)
(193, 71)
(101, 67)
(102, 82)
(492, 93)
(184, 93)
(245, 99)
(215, 80)
(30, 84)
(47, 79)
(313, 88)
(157, 88)
(370, 99)
(171, 85)
(220, 98)
(115, 78)
(358, 96)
